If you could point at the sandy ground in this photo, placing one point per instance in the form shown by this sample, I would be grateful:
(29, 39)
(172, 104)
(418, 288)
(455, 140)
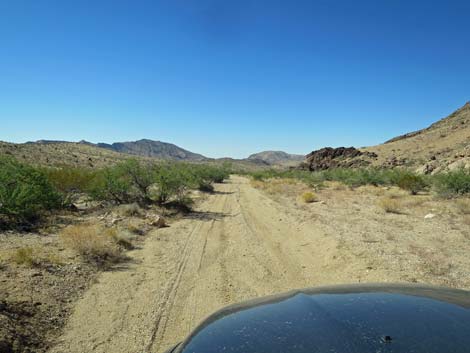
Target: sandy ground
(242, 243)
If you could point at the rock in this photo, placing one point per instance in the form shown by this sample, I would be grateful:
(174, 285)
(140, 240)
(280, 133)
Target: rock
(158, 222)
(427, 168)
(429, 216)
(114, 221)
(328, 157)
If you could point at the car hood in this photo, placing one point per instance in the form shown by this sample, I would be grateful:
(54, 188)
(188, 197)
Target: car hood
(362, 319)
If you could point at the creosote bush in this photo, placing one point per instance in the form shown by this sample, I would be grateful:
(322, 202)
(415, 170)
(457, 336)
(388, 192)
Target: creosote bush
(25, 193)
(70, 181)
(411, 182)
(162, 183)
(453, 183)
(448, 184)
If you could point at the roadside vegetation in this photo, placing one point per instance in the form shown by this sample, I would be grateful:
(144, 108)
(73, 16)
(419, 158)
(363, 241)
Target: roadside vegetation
(28, 194)
(448, 184)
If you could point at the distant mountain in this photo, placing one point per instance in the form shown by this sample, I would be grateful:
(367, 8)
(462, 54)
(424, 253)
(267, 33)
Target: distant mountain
(150, 148)
(276, 157)
(84, 153)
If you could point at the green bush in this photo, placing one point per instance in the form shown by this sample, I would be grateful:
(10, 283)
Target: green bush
(25, 192)
(139, 176)
(111, 185)
(203, 176)
(349, 176)
(134, 181)
(411, 182)
(70, 181)
(453, 183)
(173, 182)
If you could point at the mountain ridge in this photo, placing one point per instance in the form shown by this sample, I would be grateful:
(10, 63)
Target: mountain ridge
(276, 157)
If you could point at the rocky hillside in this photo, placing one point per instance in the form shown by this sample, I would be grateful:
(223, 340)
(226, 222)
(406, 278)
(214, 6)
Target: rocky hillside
(153, 149)
(52, 153)
(83, 153)
(276, 157)
(441, 146)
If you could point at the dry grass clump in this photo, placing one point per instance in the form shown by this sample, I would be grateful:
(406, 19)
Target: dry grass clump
(336, 185)
(136, 228)
(34, 257)
(279, 186)
(396, 193)
(26, 256)
(463, 205)
(309, 197)
(390, 205)
(122, 238)
(93, 243)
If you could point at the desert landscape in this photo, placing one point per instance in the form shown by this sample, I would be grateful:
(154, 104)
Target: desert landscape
(140, 248)
(234, 176)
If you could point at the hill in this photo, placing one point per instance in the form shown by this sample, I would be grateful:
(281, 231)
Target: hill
(86, 154)
(56, 153)
(153, 149)
(441, 146)
(83, 153)
(276, 157)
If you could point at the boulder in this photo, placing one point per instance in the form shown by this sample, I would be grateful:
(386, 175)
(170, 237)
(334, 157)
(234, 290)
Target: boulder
(158, 221)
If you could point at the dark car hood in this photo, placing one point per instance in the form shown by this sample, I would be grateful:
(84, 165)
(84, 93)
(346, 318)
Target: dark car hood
(349, 319)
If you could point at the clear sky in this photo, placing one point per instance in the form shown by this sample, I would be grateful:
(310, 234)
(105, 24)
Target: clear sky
(230, 77)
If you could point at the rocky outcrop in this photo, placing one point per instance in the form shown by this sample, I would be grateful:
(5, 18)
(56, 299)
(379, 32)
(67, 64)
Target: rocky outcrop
(341, 157)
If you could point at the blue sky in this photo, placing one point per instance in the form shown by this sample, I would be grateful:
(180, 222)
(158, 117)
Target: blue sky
(230, 77)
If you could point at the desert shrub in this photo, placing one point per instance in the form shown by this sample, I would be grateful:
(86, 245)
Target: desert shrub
(309, 197)
(139, 176)
(453, 183)
(204, 175)
(411, 182)
(70, 181)
(25, 192)
(122, 238)
(110, 184)
(390, 205)
(25, 256)
(35, 257)
(172, 182)
(206, 186)
(92, 243)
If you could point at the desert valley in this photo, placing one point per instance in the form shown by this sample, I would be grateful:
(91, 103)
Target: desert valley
(126, 247)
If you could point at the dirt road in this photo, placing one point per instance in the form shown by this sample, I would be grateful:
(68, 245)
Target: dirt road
(239, 244)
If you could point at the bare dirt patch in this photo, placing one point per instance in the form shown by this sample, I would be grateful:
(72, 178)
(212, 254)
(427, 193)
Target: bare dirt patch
(36, 296)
